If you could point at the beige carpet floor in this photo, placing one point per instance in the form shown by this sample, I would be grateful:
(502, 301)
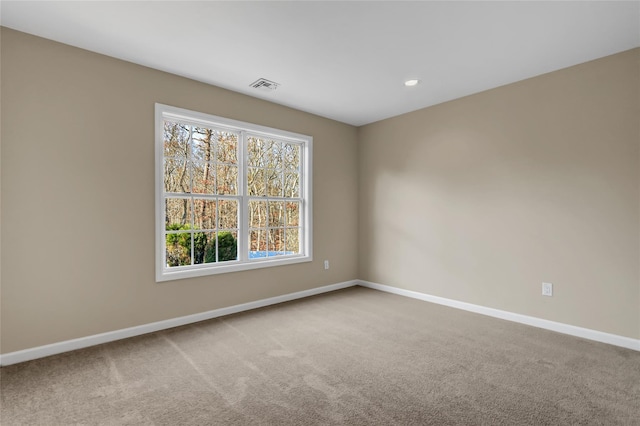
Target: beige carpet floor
(355, 356)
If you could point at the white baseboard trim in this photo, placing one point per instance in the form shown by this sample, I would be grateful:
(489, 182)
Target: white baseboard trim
(97, 339)
(586, 333)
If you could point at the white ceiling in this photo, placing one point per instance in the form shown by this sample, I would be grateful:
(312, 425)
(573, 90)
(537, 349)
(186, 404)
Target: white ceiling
(342, 60)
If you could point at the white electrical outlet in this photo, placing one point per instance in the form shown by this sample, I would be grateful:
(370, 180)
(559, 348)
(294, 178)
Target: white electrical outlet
(326, 264)
(547, 289)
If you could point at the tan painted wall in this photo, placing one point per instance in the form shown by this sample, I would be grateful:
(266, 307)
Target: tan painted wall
(78, 195)
(483, 198)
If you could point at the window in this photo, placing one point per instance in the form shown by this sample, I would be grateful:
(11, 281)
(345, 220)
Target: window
(230, 196)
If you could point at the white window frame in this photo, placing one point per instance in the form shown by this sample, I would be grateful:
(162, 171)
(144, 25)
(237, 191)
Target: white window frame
(164, 273)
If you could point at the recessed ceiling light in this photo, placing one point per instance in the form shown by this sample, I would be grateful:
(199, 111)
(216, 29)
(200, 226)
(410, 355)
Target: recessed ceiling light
(411, 82)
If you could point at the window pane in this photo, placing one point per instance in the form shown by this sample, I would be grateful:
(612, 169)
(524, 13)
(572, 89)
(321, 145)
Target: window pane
(273, 155)
(276, 213)
(257, 214)
(200, 240)
(274, 183)
(257, 243)
(203, 143)
(203, 178)
(176, 176)
(255, 151)
(228, 214)
(178, 249)
(292, 157)
(276, 242)
(227, 246)
(293, 213)
(227, 148)
(227, 180)
(205, 248)
(292, 240)
(176, 140)
(291, 185)
(255, 182)
(204, 214)
(177, 213)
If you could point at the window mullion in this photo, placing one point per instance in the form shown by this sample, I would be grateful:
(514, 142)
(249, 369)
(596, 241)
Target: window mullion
(189, 160)
(243, 225)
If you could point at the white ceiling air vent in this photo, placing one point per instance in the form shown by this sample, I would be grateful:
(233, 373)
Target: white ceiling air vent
(265, 85)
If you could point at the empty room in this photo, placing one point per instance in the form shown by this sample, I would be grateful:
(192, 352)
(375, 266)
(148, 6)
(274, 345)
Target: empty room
(319, 213)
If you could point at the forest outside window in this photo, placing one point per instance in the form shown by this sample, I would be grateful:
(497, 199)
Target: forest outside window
(230, 195)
